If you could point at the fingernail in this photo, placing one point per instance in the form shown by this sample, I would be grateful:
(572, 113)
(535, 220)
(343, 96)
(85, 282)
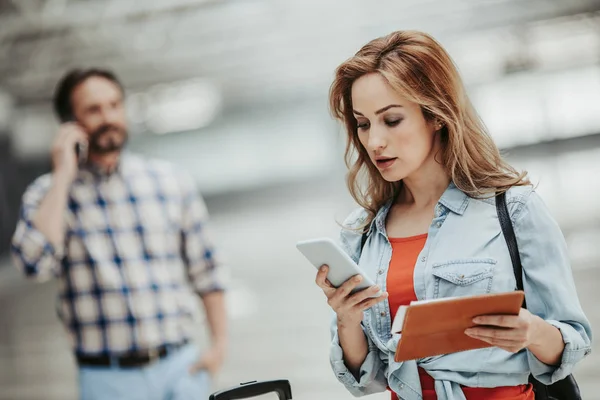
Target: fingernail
(476, 320)
(376, 288)
(358, 278)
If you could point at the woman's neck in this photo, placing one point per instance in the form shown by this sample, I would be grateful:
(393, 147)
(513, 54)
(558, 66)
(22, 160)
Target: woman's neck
(425, 186)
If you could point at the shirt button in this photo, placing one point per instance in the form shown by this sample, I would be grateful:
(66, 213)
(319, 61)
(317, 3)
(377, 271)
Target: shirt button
(383, 314)
(402, 386)
(423, 259)
(380, 272)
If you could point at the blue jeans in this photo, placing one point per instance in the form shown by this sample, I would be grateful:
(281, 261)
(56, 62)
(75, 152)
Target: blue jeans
(166, 379)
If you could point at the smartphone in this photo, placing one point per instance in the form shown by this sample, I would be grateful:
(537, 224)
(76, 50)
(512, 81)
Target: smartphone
(81, 152)
(341, 267)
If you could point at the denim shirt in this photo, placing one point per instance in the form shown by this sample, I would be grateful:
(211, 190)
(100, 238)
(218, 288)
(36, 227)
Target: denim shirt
(466, 254)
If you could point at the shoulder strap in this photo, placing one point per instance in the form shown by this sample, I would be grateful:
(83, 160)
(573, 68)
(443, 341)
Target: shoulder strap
(511, 239)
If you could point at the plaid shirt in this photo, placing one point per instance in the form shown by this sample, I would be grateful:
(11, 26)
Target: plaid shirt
(135, 241)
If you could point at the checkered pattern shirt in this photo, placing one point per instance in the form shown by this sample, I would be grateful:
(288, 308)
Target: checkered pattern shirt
(136, 249)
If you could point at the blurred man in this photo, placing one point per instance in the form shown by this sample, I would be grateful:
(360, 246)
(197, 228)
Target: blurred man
(125, 237)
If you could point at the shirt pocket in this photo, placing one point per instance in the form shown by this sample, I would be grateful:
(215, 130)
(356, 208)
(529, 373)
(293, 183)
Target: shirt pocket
(465, 277)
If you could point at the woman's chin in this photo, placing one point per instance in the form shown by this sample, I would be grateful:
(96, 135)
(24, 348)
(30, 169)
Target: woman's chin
(392, 176)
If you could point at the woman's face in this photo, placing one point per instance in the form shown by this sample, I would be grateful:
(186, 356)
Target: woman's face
(392, 129)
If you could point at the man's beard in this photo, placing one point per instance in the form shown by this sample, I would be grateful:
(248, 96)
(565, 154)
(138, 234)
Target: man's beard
(97, 146)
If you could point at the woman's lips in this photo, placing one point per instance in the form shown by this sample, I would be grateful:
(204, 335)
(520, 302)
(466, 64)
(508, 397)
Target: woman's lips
(385, 162)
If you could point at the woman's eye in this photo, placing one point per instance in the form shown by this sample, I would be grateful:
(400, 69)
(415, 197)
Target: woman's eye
(393, 122)
(362, 125)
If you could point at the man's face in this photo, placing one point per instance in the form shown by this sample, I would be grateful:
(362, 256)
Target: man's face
(98, 107)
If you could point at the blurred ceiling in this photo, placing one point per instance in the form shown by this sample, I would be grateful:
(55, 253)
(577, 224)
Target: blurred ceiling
(267, 50)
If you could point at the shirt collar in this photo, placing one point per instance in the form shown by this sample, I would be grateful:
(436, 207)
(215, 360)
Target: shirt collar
(453, 199)
(95, 171)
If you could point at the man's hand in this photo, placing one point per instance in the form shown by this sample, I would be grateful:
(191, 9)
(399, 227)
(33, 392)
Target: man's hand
(64, 158)
(211, 361)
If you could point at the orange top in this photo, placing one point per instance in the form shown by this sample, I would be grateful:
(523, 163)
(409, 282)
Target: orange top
(400, 286)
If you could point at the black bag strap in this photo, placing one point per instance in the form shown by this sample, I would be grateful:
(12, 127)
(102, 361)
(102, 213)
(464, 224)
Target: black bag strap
(511, 239)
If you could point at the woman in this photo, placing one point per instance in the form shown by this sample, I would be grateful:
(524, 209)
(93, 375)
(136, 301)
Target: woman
(428, 213)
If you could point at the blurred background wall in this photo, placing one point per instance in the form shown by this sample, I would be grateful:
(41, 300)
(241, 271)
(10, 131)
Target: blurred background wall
(236, 92)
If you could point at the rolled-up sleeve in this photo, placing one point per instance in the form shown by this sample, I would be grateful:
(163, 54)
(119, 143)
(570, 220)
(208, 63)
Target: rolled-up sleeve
(31, 252)
(371, 376)
(549, 286)
(205, 269)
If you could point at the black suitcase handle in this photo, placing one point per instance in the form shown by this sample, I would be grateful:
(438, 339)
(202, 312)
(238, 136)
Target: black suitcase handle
(254, 388)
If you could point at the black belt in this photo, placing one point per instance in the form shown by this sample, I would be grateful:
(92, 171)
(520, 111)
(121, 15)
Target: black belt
(140, 358)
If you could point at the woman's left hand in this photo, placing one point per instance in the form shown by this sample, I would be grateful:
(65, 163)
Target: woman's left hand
(509, 332)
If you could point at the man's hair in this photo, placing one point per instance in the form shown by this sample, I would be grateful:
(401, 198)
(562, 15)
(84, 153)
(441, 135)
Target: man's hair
(62, 95)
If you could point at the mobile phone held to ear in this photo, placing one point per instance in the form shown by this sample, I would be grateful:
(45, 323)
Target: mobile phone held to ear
(81, 152)
(341, 267)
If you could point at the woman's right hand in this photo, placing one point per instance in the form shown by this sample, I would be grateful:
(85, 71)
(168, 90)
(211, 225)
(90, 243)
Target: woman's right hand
(348, 307)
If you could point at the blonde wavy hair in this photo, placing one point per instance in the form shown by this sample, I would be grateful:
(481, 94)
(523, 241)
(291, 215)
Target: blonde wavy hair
(420, 70)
